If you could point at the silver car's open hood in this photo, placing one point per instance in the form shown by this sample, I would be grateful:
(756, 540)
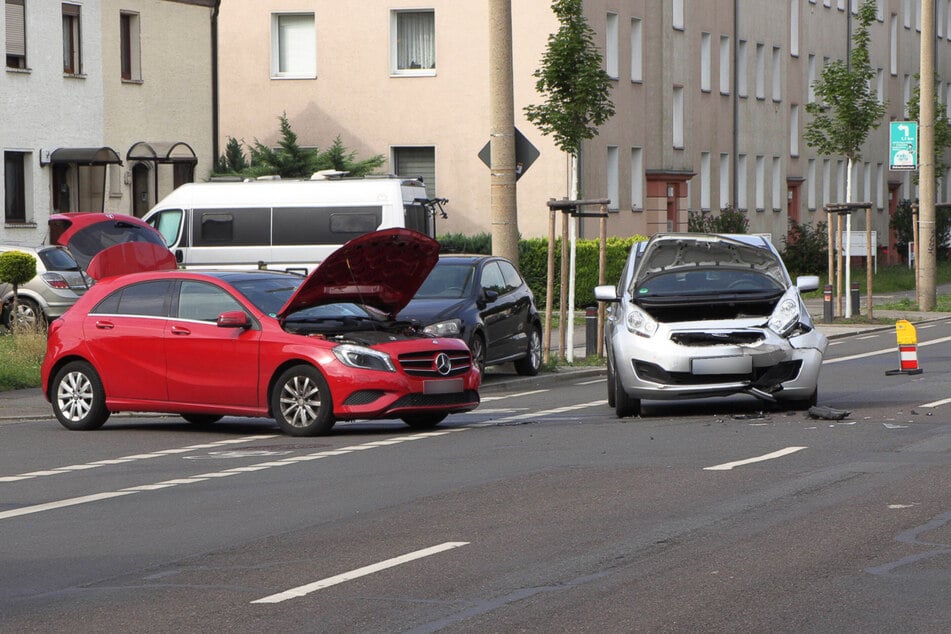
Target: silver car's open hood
(667, 253)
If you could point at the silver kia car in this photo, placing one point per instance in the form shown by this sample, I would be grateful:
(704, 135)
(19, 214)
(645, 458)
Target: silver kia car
(697, 315)
(58, 283)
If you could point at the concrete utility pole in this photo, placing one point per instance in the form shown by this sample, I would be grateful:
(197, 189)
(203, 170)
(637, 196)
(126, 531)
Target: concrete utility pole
(503, 201)
(926, 169)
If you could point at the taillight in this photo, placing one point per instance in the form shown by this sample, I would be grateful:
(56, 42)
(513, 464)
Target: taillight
(55, 280)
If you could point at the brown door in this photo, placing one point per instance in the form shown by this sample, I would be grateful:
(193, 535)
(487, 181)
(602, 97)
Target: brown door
(140, 190)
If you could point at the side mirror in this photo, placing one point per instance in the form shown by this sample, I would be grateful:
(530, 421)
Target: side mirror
(606, 294)
(234, 319)
(806, 283)
(487, 297)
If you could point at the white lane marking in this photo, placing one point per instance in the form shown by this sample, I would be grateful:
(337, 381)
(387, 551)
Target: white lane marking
(885, 351)
(301, 591)
(489, 399)
(868, 337)
(943, 401)
(133, 458)
(541, 414)
(770, 456)
(601, 380)
(39, 508)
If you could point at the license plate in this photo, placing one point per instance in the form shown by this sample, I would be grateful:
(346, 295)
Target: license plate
(722, 365)
(447, 386)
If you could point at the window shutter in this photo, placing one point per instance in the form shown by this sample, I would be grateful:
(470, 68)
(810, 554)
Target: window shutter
(16, 31)
(417, 162)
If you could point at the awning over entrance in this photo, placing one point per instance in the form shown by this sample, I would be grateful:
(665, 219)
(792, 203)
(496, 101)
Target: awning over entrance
(85, 156)
(162, 152)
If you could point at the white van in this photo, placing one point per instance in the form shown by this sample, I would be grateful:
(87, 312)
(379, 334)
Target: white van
(283, 224)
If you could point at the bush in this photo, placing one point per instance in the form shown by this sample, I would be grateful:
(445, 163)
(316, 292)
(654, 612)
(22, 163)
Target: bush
(730, 220)
(902, 221)
(807, 248)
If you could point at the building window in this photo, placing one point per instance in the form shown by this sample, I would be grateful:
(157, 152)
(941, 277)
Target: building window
(777, 75)
(880, 186)
(610, 46)
(293, 46)
(705, 181)
(939, 18)
(724, 181)
(811, 185)
(794, 130)
(612, 175)
(893, 45)
(72, 51)
(811, 78)
(760, 71)
(637, 50)
(840, 181)
(678, 117)
(724, 64)
(678, 14)
(906, 94)
(760, 182)
(741, 89)
(130, 47)
(741, 181)
(840, 5)
(880, 84)
(417, 162)
(794, 28)
(906, 13)
(947, 16)
(14, 186)
(16, 34)
(867, 176)
(413, 42)
(777, 184)
(917, 4)
(705, 62)
(826, 181)
(637, 179)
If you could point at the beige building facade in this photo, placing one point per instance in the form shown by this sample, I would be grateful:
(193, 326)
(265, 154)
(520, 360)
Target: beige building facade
(710, 97)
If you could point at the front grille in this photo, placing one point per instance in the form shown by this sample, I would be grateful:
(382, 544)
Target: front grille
(424, 363)
(715, 338)
(436, 400)
(363, 397)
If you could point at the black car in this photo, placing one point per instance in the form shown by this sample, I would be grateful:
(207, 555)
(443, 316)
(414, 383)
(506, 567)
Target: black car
(484, 301)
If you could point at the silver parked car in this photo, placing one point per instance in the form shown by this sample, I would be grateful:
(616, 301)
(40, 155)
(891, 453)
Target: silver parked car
(57, 285)
(697, 315)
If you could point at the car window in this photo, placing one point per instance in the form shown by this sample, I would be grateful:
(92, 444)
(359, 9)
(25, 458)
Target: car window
(169, 224)
(57, 260)
(492, 279)
(204, 302)
(450, 281)
(268, 294)
(707, 281)
(512, 279)
(146, 298)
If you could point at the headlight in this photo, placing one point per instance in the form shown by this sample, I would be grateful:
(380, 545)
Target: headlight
(640, 323)
(785, 316)
(448, 328)
(364, 358)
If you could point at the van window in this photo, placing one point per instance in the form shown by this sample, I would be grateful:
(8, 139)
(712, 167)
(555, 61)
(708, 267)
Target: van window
(323, 225)
(169, 224)
(241, 227)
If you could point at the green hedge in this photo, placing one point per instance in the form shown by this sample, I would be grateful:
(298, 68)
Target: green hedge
(533, 262)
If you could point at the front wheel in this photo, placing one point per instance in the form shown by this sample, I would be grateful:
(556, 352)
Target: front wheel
(79, 401)
(477, 347)
(624, 405)
(531, 363)
(425, 421)
(301, 402)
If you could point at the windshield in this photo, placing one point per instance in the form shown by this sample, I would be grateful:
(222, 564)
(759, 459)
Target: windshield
(706, 282)
(168, 224)
(447, 281)
(56, 259)
(271, 293)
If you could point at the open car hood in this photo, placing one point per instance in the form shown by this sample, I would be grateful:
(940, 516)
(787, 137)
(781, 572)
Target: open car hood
(383, 269)
(107, 245)
(693, 251)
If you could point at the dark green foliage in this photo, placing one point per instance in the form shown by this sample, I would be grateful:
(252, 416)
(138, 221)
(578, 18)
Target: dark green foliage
(730, 220)
(942, 127)
(17, 267)
(233, 160)
(337, 157)
(533, 262)
(807, 248)
(902, 224)
(573, 82)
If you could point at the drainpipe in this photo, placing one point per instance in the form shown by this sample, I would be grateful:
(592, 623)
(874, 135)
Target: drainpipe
(214, 84)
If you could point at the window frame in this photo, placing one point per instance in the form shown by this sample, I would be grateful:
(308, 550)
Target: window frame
(15, 37)
(395, 69)
(296, 62)
(130, 46)
(72, 39)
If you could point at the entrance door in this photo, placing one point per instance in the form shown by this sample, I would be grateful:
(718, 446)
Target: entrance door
(140, 190)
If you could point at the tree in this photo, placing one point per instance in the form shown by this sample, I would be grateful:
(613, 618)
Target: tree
(233, 160)
(338, 158)
(16, 267)
(942, 127)
(573, 82)
(730, 220)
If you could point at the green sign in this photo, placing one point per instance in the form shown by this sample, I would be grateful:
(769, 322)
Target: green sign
(903, 145)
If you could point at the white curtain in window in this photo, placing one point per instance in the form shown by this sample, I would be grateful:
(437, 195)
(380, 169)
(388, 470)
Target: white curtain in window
(297, 45)
(416, 40)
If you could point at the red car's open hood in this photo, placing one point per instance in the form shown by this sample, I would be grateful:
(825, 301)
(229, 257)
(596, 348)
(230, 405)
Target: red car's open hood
(106, 245)
(383, 269)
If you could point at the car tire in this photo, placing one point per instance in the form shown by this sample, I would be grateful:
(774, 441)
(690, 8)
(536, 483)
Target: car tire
(28, 316)
(425, 421)
(301, 402)
(624, 405)
(611, 386)
(477, 348)
(78, 398)
(201, 419)
(531, 363)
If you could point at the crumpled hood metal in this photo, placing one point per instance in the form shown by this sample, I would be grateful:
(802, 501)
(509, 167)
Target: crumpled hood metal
(383, 269)
(671, 252)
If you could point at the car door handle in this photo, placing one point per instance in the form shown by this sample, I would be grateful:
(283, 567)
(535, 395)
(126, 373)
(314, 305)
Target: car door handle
(105, 325)
(178, 330)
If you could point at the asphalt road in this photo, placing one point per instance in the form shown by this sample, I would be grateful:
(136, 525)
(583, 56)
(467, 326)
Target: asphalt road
(538, 512)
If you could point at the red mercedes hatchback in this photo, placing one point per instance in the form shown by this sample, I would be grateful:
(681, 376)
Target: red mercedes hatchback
(304, 351)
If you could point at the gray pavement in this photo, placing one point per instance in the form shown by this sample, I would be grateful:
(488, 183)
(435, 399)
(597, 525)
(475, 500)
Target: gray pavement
(29, 403)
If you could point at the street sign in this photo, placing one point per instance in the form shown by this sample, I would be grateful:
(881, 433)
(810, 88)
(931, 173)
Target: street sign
(903, 145)
(525, 154)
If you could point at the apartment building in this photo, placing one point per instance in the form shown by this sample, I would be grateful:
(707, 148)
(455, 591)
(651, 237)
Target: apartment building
(105, 105)
(710, 98)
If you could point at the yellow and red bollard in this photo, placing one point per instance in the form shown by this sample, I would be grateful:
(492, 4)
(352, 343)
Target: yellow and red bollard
(907, 349)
